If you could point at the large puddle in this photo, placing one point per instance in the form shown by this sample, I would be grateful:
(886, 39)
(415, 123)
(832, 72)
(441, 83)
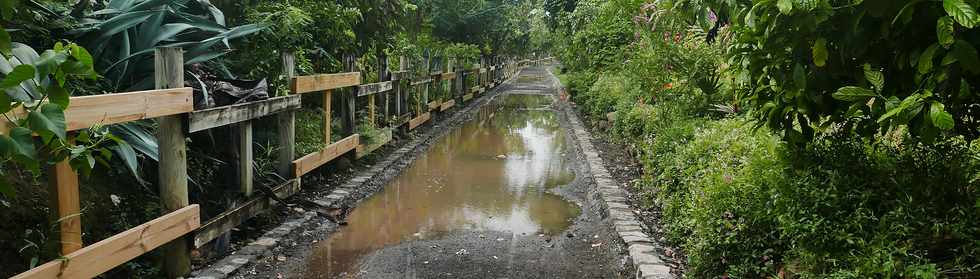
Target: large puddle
(491, 174)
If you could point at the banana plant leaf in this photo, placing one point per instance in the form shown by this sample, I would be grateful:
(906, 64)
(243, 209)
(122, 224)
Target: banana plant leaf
(123, 35)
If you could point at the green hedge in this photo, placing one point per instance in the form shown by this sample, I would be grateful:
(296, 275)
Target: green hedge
(741, 202)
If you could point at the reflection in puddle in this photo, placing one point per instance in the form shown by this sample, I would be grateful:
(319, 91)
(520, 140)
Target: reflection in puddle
(491, 174)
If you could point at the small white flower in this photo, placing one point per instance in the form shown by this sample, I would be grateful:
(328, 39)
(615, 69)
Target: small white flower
(115, 199)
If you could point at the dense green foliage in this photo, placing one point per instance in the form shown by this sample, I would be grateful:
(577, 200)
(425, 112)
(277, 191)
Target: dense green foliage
(813, 67)
(803, 141)
(46, 59)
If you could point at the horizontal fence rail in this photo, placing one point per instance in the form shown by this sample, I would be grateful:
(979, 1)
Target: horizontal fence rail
(174, 109)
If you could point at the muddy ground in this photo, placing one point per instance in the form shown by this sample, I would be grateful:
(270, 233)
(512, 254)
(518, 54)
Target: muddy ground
(587, 249)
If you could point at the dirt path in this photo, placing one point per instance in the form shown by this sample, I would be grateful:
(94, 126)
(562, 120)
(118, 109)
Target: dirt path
(585, 247)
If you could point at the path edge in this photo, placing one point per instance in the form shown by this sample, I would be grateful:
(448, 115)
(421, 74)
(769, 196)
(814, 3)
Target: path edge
(643, 250)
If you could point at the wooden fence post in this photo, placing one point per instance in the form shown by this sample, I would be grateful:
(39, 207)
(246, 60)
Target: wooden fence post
(287, 121)
(384, 74)
(65, 206)
(348, 98)
(451, 68)
(245, 157)
(425, 69)
(169, 73)
(401, 100)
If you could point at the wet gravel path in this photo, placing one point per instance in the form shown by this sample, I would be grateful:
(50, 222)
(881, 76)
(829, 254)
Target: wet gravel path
(589, 248)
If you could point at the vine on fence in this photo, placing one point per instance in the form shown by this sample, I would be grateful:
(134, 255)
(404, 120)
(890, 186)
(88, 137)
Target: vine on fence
(33, 104)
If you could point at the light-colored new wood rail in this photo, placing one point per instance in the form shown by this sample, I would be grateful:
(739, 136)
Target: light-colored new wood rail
(323, 82)
(418, 121)
(445, 106)
(104, 255)
(434, 105)
(314, 160)
(83, 112)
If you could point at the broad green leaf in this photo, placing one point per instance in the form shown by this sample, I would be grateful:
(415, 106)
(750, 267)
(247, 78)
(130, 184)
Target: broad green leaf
(48, 121)
(949, 59)
(875, 77)
(940, 118)
(128, 155)
(20, 74)
(962, 12)
(82, 55)
(853, 94)
(205, 57)
(967, 55)
(820, 52)
(49, 61)
(785, 6)
(944, 31)
(910, 105)
(167, 31)
(58, 95)
(20, 142)
(925, 60)
(121, 22)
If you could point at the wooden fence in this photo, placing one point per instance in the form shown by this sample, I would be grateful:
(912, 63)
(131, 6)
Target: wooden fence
(171, 104)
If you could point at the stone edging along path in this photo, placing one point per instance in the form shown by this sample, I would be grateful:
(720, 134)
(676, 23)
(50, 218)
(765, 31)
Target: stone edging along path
(643, 252)
(361, 186)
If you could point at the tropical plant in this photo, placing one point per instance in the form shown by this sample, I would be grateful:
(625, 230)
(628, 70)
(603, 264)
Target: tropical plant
(33, 103)
(124, 33)
(869, 67)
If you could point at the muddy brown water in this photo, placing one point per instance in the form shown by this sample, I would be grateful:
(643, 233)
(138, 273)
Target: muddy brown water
(493, 173)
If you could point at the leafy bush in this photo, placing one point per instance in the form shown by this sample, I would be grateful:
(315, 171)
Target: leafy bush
(811, 67)
(714, 194)
(605, 94)
(854, 210)
(743, 204)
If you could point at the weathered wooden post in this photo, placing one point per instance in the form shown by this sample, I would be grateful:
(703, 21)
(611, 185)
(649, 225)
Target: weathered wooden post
(401, 100)
(169, 73)
(451, 68)
(425, 69)
(245, 157)
(348, 98)
(401, 92)
(384, 74)
(287, 121)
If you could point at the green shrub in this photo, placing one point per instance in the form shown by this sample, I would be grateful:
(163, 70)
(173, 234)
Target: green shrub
(715, 203)
(856, 210)
(605, 94)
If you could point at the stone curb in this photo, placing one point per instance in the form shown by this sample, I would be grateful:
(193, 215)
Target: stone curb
(258, 248)
(642, 248)
(230, 264)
